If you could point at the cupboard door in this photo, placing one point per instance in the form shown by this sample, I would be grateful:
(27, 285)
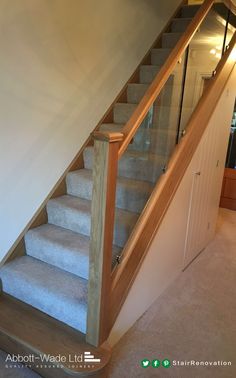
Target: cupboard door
(207, 177)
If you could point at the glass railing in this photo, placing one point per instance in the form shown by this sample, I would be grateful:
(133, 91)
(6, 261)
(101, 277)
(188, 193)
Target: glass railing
(204, 53)
(147, 156)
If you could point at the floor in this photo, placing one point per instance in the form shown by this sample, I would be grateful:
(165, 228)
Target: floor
(7, 372)
(194, 319)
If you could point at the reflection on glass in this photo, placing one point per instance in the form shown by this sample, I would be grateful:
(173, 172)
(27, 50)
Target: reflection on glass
(145, 159)
(205, 51)
(156, 138)
(148, 154)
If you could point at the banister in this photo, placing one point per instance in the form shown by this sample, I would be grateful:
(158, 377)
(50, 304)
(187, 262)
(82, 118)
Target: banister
(151, 218)
(162, 76)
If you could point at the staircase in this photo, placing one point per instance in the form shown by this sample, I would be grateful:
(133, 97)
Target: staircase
(49, 282)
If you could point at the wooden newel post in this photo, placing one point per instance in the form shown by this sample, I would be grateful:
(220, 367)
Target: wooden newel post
(106, 147)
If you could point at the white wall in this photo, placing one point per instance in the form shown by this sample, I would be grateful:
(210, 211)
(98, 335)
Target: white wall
(165, 258)
(62, 64)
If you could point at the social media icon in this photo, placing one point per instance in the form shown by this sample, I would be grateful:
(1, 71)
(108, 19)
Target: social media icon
(166, 363)
(156, 363)
(145, 363)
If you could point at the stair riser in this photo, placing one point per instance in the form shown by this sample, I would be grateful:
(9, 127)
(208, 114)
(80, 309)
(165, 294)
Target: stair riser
(148, 73)
(136, 92)
(169, 40)
(179, 25)
(123, 112)
(128, 198)
(159, 56)
(189, 11)
(131, 167)
(81, 223)
(58, 256)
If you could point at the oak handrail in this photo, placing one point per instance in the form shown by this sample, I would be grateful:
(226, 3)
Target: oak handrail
(151, 218)
(163, 75)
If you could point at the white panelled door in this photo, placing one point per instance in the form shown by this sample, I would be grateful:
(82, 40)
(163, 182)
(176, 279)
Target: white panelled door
(207, 178)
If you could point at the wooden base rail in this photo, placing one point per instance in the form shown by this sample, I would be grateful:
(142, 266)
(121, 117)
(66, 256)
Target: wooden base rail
(151, 218)
(162, 76)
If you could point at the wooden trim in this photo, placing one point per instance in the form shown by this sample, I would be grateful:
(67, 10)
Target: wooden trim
(40, 217)
(162, 76)
(230, 173)
(101, 239)
(108, 136)
(151, 218)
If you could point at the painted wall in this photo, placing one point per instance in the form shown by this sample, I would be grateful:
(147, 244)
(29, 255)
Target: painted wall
(165, 259)
(62, 64)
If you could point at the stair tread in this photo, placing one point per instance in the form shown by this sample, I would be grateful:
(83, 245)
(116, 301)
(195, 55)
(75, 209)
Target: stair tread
(62, 248)
(74, 213)
(121, 181)
(30, 330)
(40, 284)
(84, 206)
(131, 194)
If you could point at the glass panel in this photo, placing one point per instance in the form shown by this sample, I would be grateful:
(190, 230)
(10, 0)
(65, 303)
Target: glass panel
(205, 51)
(148, 154)
(146, 157)
(231, 27)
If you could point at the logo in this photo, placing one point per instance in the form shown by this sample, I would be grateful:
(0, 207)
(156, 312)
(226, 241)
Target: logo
(59, 359)
(145, 363)
(156, 363)
(88, 357)
(166, 363)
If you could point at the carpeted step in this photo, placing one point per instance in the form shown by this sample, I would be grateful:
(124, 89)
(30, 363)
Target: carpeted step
(133, 164)
(189, 10)
(74, 214)
(135, 93)
(179, 25)
(122, 112)
(62, 248)
(159, 56)
(131, 195)
(169, 40)
(147, 73)
(59, 294)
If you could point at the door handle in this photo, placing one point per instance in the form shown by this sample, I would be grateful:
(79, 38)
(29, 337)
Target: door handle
(198, 173)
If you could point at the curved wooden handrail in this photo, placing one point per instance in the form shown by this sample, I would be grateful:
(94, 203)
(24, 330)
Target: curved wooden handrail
(137, 246)
(163, 75)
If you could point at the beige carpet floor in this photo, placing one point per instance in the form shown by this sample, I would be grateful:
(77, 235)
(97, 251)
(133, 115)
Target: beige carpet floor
(194, 319)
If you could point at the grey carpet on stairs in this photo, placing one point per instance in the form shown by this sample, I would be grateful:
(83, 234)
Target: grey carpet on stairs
(59, 294)
(53, 275)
